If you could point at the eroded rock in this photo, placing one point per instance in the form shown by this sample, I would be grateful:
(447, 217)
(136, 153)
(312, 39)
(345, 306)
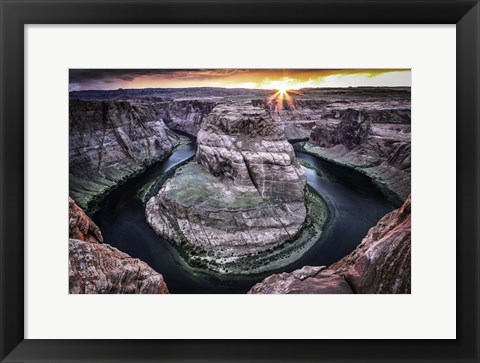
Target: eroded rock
(80, 226)
(96, 268)
(110, 141)
(381, 264)
(374, 139)
(243, 195)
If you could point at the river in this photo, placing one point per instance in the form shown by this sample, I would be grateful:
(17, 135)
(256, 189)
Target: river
(355, 206)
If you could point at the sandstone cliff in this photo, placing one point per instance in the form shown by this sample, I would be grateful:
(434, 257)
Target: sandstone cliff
(80, 226)
(185, 115)
(375, 141)
(97, 268)
(369, 130)
(110, 141)
(364, 128)
(101, 269)
(379, 145)
(379, 265)
(243, 195)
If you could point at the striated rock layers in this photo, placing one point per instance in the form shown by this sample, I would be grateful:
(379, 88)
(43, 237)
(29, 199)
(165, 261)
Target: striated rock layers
(101, 269)
(243, 195)
(80, 226)
(110, 141)
(373, 140)
(185, 115)
(379, 265)
(97, 268)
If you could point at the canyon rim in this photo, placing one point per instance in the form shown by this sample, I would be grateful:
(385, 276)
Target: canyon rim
(229, 181)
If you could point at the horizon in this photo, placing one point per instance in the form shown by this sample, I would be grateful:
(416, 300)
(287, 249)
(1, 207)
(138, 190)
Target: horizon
(256, 79)
(230, 88)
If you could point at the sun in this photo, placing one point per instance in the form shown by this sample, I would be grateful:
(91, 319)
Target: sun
(282, 88)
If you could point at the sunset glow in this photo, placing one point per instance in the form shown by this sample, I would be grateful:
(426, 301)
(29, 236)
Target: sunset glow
(275, 79)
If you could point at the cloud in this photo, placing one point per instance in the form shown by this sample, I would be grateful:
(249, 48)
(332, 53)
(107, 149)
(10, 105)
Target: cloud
(145, 78)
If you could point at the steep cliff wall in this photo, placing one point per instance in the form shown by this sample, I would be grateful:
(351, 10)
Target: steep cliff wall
(110, 141)
(375, 141)
(185, 115)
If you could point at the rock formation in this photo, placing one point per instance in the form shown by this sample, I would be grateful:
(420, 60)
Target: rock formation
(185, 115)
(101, 269)
(374, 141)
(243, 195)
(379, 265)
(80, 226)
(369, 130)
(97, 268)
(110, 141)
(378, 145)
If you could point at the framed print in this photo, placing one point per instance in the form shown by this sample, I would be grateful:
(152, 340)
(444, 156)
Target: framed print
(279, 181)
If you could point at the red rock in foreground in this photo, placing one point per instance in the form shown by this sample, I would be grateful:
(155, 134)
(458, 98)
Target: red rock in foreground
(97, 268)
(102, 269)
(80, 226)
(379, 265)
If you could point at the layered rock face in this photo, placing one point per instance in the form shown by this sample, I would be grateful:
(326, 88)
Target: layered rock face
(381, 264)
(97, 268)
(110, 141)
(242, 144)
(182, 109)
(80, 226)
(295, 117)
(101, 269)
(371, 133)
(243, 195)
(185, 115)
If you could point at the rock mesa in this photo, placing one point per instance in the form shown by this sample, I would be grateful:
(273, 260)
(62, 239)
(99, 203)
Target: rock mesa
(244, 194)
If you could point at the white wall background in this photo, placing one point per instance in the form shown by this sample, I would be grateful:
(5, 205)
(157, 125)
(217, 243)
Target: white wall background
(429, 312)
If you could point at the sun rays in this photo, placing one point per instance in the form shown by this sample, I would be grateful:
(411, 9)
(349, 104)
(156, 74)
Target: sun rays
(281, 100)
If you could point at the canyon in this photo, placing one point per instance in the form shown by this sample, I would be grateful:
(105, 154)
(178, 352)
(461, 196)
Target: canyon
(241, 204)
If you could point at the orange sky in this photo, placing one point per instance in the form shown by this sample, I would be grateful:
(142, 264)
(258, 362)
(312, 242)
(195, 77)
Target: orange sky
(83, 79)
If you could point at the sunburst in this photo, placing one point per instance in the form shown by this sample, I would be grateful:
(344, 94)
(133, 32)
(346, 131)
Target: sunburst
(281, 99)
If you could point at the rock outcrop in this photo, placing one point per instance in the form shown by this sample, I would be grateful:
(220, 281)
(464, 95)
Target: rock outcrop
(80, 226)
(364, 128)
(110, 141)
(97, 268)
(102, 269)
(243, 195)
(372, 135)
(379, 265)
(185, 115)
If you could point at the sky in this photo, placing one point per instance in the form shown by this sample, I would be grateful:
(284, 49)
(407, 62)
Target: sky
(284, 79)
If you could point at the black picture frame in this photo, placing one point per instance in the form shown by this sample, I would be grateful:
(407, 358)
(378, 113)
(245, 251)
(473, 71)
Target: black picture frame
(16, 13)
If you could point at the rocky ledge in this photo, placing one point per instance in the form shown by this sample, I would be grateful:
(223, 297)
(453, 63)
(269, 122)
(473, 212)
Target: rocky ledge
(244, 194)
(379, 265)
(97, 268)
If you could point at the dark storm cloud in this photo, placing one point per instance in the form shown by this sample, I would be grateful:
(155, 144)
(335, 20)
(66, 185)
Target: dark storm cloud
(112, 75)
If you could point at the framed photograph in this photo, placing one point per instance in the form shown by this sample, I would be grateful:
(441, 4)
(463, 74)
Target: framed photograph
(268, 181)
